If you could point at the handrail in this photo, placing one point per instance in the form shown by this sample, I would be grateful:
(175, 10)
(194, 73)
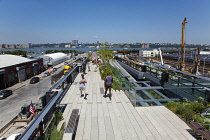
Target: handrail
(28, 132)
(149, 63)
(26, 135)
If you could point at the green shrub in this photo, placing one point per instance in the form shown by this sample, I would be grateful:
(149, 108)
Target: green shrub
(185, 100)
(105, 68)
(52, 133)
(207, 126)
(188, 115)
(198, 118)
(172, 105)
(197, 107)
(206, 104)
(55, 134)
(200, 99)
(180, 109)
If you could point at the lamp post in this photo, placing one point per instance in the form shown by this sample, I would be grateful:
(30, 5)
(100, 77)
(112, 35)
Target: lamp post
(204, 64)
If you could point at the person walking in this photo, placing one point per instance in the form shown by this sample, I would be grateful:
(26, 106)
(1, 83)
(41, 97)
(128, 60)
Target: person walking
(89, 66)
(84, 67)
(82, 85)
(108, 85)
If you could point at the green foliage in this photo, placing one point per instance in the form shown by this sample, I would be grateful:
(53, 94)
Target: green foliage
(17, 52)
(190, 110)
(55, 134)
(206, 126)
(185, 100)
(197, 107)
(172, 105)
(154, 94)
(52, 133)
(188, 115)
(198, 118)
(105, 68)
(200, 99)
(180, 109)
(106, 55)
(89, 54)
(58, 117)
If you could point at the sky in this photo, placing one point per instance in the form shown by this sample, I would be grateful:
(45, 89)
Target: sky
(113, 21)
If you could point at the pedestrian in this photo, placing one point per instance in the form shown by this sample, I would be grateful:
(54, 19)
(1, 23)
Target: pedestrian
(84, 67)
(95, 67)
(108, 85)
(82, 85)
(89, 66)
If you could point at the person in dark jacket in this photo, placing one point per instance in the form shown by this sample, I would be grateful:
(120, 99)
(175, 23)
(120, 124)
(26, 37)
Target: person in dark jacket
(84, 67)
(108, 85)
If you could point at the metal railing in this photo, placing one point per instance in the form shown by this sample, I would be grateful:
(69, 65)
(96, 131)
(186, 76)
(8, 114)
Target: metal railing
(182, 83)
(59, 87)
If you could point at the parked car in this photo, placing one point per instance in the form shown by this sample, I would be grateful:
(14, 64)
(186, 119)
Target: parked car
(66, 63)
(5, 93)
(34, 80)
(46, 74)
(54, 69)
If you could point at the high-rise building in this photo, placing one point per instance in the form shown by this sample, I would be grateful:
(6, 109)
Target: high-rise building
(74, 42)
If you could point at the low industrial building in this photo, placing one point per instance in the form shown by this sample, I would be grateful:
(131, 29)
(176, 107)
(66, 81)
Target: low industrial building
(14, 69)
(148, 53)
(50, 60)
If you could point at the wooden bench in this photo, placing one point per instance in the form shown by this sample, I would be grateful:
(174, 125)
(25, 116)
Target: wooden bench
(71, 126)
(198, 128)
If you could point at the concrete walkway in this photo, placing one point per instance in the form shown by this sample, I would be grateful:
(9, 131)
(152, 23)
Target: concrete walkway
(102, 119)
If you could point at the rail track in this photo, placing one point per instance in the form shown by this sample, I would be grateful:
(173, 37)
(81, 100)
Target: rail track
(188, 64)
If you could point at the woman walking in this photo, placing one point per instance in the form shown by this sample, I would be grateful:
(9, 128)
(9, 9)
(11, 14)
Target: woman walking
(108, 85)
(82, 85)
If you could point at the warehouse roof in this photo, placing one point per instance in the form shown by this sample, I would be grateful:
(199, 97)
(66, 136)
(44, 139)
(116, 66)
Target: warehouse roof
(8, 60)
(56, 55)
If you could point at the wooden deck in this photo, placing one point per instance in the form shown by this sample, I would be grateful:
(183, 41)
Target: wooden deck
(102, 119)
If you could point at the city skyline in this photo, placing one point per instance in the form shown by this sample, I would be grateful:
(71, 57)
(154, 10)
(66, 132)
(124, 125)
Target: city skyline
(49, 21)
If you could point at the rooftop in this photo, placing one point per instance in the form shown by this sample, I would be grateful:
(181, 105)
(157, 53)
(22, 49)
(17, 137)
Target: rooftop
(8, 60)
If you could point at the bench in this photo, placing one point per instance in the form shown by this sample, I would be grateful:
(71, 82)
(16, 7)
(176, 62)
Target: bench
(72, 125)
(198, 128)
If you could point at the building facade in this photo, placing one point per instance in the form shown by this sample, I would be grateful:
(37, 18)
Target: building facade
(74, 42)
(14, 73)
(148, 53)
(67, 46)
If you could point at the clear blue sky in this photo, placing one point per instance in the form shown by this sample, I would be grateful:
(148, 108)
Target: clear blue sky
(114, 21)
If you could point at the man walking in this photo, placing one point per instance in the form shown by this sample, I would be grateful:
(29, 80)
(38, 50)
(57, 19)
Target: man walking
(84, 67)
(108, 85)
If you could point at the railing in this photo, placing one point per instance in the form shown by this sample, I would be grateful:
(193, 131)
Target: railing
(192, 85)
(61, 88)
